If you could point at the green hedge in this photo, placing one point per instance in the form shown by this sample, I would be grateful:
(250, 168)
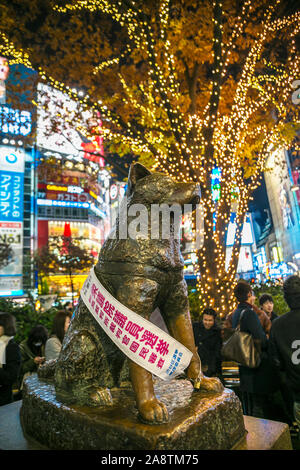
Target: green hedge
(27, 317)
(196, 305)
(275, 290)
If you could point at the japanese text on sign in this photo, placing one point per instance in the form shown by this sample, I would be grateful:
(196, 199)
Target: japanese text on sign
(142, 341)
(11, 196)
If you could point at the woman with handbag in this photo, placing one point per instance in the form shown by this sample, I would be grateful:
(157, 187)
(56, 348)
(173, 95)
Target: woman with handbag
(257, 384)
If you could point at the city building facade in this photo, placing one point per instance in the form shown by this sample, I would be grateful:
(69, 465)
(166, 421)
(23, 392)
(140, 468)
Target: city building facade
(17, 170)
(278, 250)
(52, 184)
(73, 188)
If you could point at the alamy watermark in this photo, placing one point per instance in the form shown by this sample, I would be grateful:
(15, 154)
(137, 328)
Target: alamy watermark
(156, 221)
(296, 354)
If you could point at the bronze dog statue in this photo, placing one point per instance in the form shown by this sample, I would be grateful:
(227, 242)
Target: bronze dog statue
(143, 274)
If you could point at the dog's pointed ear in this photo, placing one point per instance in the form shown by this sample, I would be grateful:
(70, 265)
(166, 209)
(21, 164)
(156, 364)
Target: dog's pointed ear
(137, 171)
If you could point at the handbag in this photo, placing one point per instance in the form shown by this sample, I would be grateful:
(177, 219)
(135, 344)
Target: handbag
(242, 348)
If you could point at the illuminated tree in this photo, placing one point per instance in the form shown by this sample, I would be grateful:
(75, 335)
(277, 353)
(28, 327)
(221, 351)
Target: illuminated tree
(187, 86)
(64, 256)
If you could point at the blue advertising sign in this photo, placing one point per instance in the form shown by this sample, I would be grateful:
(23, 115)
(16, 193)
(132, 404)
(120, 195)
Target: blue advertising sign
(11, 184)
(11, 217)
(11, 196)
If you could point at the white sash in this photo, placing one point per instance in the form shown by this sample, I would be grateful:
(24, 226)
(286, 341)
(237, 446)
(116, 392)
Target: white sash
(142, 341)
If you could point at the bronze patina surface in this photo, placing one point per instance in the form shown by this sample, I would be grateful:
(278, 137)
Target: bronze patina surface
(143, 273)
(197, 420)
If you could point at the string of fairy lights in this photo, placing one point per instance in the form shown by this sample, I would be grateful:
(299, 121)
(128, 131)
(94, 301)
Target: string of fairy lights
(237, 121)
(155, 103)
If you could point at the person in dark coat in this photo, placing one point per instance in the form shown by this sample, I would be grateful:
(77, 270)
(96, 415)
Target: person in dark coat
(264, 319)
(10, 357)
(266, 302)
(209, 342)
(32, 352)
(285, 398)
(285, 342)
(257, 385)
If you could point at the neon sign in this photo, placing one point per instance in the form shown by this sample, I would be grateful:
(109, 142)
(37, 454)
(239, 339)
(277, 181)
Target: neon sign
(53, 187)
(97, 211)
(216, 184)
(52, 202)
(80, 205)
(14, 121)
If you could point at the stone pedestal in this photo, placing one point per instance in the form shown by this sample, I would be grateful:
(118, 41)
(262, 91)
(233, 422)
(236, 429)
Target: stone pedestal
(198, 420)
(264, 434)
(261, 434)
(11, 433)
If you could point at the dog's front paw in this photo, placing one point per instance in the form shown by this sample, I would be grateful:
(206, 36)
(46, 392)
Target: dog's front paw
(211, 384)
(100, 397)
(153, 412)
(194, 368)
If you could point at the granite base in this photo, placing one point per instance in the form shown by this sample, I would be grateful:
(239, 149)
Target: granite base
(198, 420)
(261, 434)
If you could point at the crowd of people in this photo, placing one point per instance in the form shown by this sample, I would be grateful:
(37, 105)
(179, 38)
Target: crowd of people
(279, 338)
(18, 361)
(276, 381)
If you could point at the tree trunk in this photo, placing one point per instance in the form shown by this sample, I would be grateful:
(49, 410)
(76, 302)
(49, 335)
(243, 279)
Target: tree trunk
(216, 282)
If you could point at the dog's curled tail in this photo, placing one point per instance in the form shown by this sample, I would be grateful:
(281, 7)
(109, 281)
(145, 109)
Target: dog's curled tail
(46, 370)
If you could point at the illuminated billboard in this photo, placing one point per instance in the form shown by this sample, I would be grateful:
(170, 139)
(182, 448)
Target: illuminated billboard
(11, 217)
(216, 184)
(12, 234)
(4, 71)
(247, 234)
(14, 121)
(282, 194)
(51, 202)
(245, 263)
(90, 237)
(59, 119)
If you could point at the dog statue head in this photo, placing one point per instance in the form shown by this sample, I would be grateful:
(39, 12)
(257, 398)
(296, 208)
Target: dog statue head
(159, 188)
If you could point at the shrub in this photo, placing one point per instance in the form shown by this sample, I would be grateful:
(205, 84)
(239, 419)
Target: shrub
(272, 288)
(196, 305)
(275, 290)
(27, 317)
